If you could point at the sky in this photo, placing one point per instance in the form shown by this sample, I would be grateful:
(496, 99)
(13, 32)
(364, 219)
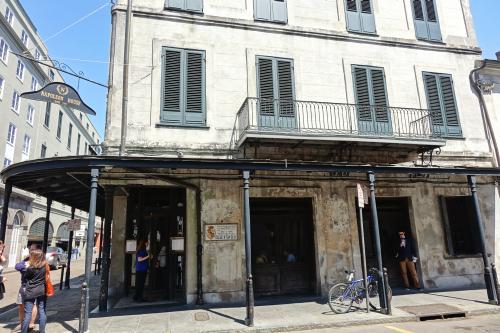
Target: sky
(85, 45)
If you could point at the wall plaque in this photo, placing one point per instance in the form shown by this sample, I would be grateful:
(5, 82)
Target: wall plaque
(221, 232)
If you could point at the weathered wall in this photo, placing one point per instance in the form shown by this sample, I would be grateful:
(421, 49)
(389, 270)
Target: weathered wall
(117, 271)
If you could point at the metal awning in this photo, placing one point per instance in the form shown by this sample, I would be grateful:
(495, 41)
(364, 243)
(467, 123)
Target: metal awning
(67, 179)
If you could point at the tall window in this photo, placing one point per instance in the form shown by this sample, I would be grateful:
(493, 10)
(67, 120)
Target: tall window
(34, 83)
(4, 50)
(11, 134)
(442, 104)
(15, 104)
(70, 132)
(81, 117)
(460, 225)
(30, 115)
(79, 137)
(52, 75)
(2, 85)
(85, 152)
(270, 10)
(359, 16)
(20, 70)
(24, 38)
(43, 151)
(6, 162)
(26, 144)
(37, 54)
(46, 120)
(9, 15)
(59, 125)
(426, 20)
(183, 97)
(371, 99)
(188, 5)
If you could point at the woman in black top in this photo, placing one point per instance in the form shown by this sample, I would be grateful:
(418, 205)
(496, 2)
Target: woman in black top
(35, 289)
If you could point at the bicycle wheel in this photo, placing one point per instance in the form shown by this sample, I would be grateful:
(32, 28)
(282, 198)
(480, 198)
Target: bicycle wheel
(373, 293)
(339, 298)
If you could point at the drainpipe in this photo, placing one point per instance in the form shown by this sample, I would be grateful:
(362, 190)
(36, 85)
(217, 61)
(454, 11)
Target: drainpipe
(484, 110)
(128, 24)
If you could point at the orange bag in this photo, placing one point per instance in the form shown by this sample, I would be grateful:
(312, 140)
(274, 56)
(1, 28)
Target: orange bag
(49, 288)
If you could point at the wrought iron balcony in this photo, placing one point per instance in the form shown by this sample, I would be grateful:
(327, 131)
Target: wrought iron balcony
(319, 121)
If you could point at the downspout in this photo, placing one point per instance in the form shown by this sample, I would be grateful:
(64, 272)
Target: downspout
(484, 111)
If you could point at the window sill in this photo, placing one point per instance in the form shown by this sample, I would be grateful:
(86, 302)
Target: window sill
(462, 256)
(192, 127)
(187, 11)
(58, 138)
(31, 124)
(440, 42)
(15, 111)
(20, 79)
(270, 21)
(371, 34)
(46, 127)
(458, 138)
(5, 62)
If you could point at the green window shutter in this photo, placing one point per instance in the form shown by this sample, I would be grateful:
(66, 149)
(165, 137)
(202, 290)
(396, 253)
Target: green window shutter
(195, 88)
(262, 9)
(442, 104)
(279, 11)
(426, 20)
(379, 95)
(449, 106)
(285, 88)
(362, 93)
(194, 5)
(176, 4)
(171, 111)
(265, 81)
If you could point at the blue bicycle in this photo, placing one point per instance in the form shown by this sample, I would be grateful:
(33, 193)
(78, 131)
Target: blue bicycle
(343, 295)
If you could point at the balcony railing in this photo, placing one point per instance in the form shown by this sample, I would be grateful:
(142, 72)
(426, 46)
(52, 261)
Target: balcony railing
(292, 118)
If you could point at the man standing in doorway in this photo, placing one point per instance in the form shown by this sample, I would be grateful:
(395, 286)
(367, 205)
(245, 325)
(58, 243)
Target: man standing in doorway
(407, 260)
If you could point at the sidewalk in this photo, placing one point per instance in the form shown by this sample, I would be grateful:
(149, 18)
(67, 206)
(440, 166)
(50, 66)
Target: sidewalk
(308, 314)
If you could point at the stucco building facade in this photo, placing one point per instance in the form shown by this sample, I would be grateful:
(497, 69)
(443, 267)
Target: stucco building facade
(32, 129)
(341, 82)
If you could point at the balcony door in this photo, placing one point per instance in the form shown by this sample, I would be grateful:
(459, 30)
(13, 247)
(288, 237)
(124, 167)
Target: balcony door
(275, 88)
(371, 101)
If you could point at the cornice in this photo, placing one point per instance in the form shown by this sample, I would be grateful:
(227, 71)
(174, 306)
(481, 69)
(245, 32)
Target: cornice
(299, 31)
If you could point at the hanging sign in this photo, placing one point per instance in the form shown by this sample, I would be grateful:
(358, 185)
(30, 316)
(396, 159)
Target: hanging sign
(60, 93)
(361, 196)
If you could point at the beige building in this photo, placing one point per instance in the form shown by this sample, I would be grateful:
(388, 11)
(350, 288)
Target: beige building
(32, 130)
(271, 83)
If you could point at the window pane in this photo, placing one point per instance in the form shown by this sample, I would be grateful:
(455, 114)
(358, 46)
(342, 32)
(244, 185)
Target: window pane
(463, 226)
(417, 9)
(351, 5)
(431, 11)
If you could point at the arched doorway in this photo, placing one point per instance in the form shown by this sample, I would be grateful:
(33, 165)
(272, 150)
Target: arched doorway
(15, 247)
(35, 235)
(62, 236)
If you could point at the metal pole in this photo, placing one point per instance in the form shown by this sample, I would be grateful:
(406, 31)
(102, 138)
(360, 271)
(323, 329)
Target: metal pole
(70, 249)
(103, 297)
(47, 224)
(376, 235)
(84, 310)
(248, 248)
(5, 210)
(128, 26)
(363, 253)
(488, 276)
(61, 282)
(199, 250)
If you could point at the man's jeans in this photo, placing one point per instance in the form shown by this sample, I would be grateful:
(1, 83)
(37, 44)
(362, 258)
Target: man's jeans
(28, 308)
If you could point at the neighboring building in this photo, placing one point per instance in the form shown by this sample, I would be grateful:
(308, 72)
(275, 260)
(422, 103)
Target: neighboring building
(31, 129)
(358, 82)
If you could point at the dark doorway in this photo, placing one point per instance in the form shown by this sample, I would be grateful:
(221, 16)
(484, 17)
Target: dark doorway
(393, 216)
(157, 215)
(282, 246)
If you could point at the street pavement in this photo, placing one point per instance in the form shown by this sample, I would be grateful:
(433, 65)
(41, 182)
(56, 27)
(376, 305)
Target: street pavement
(480, 324)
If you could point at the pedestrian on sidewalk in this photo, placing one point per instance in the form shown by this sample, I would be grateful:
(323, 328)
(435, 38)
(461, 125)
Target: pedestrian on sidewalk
(35, 289)
(3, 279)
(141, 270)
(21, 268)
(407, 260)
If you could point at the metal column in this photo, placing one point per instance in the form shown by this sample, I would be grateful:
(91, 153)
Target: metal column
(248, 248)
(47, 224)
(488, 276)
(378, 249)
(103, 296)
(70, 249)
(84, 310)
(5, 210)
